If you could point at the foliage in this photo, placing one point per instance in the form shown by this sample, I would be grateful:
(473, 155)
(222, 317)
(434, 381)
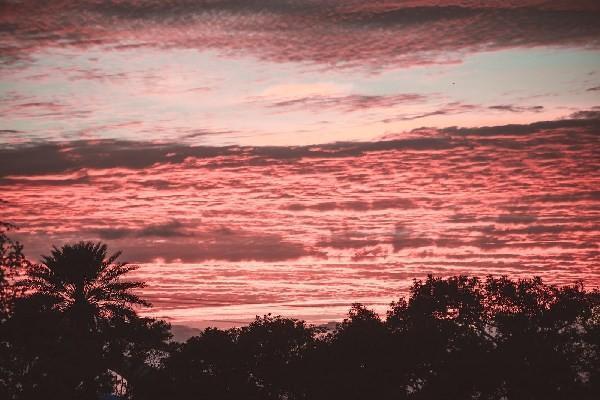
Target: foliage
(82, 281)
(12, 263)
(75, 327)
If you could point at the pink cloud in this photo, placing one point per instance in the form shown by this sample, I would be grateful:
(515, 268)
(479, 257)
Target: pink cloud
(334, 33)
(217, 228)
(347, 103)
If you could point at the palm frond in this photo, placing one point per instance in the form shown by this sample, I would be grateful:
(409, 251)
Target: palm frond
(82, 275)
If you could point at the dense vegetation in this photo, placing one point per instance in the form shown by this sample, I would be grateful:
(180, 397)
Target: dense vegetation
(69, 330)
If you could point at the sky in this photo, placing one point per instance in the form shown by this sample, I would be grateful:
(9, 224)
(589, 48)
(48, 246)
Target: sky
(295, 156)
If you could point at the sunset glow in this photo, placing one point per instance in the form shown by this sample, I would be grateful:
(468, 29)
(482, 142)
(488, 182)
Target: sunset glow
(293, 157)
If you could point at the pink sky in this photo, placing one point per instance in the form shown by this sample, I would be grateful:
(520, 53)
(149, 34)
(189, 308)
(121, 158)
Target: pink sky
(296, 156)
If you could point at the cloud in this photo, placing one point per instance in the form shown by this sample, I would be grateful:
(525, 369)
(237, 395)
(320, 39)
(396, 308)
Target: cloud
(194, 133)
(393, 203)
(169, 229)
(404, 238)
(570, 197)
(252, 224)
(347, 239)
(517, 109)
(516, 219)
(170, 242)
(448, 109)
(54, 158)
(47, 158)
(355, 205)
(73, 179)
(43, 109)
(348, 103)
(586, 120)
(333, 32)
(590, 115)
(220, 244)
(241, 247)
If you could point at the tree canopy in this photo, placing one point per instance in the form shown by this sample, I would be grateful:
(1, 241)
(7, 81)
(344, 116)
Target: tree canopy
(70, 329)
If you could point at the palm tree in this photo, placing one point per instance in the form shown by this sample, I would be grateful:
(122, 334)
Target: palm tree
(80, 281)
(83, 288)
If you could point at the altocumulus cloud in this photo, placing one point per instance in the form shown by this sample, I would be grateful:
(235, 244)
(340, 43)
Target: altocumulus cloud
(335, 32)
(174, 241)
(57, 158)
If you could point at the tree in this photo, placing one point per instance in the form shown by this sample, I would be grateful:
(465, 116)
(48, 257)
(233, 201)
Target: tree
(463, 338)
(136, 348)
(275, 351)
(441, 335)
(83, 282)
(208, 366)
(262, 361)
(457, 337)
(81, 289)
(545, 338)
(12, 264)
(356, 359)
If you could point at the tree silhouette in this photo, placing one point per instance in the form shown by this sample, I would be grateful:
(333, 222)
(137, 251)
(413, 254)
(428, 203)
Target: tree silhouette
(80, 280)
(135, 347)
(12, 264)
(543, 347)
(79, 290)
(441, 334)
(458, 338)
(207, 366)
(361, 345)
(274, 352)
(264, 360)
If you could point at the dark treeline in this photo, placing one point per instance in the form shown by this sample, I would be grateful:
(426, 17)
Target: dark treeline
(69, 330)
